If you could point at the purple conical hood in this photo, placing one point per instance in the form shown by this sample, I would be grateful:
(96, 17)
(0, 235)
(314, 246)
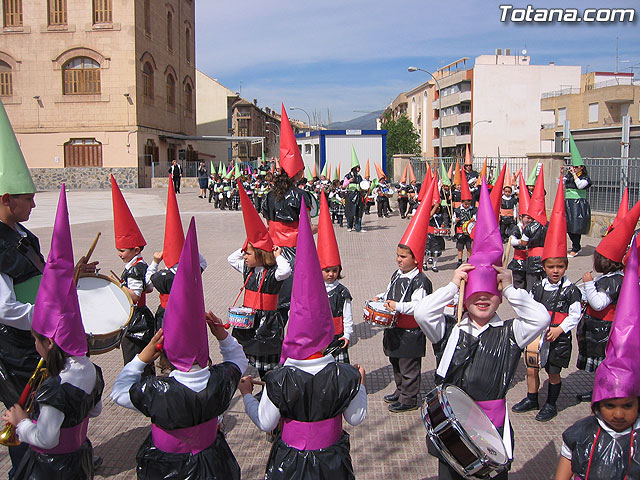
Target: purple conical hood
(185, 325)
(619, 374)
(487, 248)
(56, 313)
(310, 327)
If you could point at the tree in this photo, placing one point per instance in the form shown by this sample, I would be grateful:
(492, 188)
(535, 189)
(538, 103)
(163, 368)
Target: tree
(401, 135)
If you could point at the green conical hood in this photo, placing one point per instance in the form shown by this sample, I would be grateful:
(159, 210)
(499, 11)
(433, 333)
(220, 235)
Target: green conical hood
(576, 159)
(443, 175)
(531, 180)
(15, 177)
(221, 170)
(354, 158)
(496, 174)
(237, 173)
(263, 157)
(324, 170)
(335, 174)
(307, 174)
(212, 169)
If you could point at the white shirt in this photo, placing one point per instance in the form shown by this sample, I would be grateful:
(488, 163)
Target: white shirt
(283, 269)
(134, 284)
(266, 415)
(575, 309)
(347, 316)
(417, 295)
(195, 379)
(79, 372)
(12, 312)
(154, 267)
(598, 300)
(566, 451)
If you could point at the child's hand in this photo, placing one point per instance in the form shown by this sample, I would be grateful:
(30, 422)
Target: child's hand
(151, 352)
(277, 251)
(554, 333)
(362, 373)
(376, 299)
(345, 340)
(246, 385)
(216, 325)
(157, 256)
(15, 415)
(462, 273)
(504, 276)
(587, 277)
(390, 305)
(85, 267)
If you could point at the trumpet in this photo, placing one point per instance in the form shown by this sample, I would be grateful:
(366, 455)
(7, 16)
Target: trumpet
(8, 433)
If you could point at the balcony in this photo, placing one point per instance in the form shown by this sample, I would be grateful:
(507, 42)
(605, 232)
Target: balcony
(464, 117)
(450, 120)
(465, 96)
(463, 139)
(449, 141)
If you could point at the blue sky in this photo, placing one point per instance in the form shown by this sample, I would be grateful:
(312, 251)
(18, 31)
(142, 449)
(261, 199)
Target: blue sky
(346, 55)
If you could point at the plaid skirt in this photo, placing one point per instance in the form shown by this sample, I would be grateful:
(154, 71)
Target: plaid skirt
(342, 354)
(264, 362)
(337, 209)
(588, 364)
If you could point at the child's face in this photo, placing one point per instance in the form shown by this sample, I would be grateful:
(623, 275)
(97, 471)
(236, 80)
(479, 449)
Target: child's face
(506, 191)
(330, 274)
(126, 254)
(466, 203)
(249, 256)
(554, 268)
(526, 219)
(43, 347)
(619, 413)
(482, 306)
(405, 259)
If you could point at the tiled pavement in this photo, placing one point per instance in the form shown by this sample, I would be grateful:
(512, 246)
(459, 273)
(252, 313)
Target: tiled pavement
(386, 445)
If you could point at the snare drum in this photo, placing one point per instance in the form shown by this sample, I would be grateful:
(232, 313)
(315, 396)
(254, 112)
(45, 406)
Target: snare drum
(537, 352)
(467, 227)
(106, 310)
(376, 313)
(241, 317)
(440, 232)
(463, 434)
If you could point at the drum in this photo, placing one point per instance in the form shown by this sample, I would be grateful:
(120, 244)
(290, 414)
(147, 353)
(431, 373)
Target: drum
(241, 317)
(106, 310)
(364, 185)
(467, 226)
(440, 232)
(463, 434)
(376, 313)
(315, 206)
(537, 352)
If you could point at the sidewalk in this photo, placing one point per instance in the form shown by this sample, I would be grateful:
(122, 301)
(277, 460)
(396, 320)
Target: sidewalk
(386, 445)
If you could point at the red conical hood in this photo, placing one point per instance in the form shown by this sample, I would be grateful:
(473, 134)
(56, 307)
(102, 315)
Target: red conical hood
(496, 192)
(257, 234)
(536, 208)
(555, 243)
(415, 237)
(424, 187)
(523, 197)
(126, 231)
(436, 190)
(328, 252)
(290, 158)
(465, 193)
(615, 244)
(173, 233)
(623, 209)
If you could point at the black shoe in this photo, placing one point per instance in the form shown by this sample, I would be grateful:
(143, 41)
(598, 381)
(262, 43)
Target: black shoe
(97, 461)
(430, 260)
(401, 408)
(434, 269)
(525, 405)
(392, 398)
(546, 413)
(584, 397)
(459, 262)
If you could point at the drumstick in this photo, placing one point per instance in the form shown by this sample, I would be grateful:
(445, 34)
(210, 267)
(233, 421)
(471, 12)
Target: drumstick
(461, 300)
(76, 274)
(256, 381)
(115, 275)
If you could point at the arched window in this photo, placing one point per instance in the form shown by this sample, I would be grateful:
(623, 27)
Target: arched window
(188, 100)
(57, 12)
(187, 44)
(102, 11)
(6, 80)
(12, 13)
(147, 80)
(81, 76)
(170, 31)
(171, 91)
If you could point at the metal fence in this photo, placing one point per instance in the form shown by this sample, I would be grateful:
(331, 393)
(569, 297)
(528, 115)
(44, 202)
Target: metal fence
(494, 164)
(609, 177)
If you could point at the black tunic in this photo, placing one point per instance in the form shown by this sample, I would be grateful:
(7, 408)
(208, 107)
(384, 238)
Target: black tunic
(162, 281)
(516, 264)
(559, 302)
(401, 342)
(577, 210)
(610, 458)
(287, 209)
(337, 297)
(18, 356)
(142, 325)
(76, 404)
(593, 333)
(536, 234)
(303, 397)
(171, 405)
(354, 205)
(267, 334)
(435, 243)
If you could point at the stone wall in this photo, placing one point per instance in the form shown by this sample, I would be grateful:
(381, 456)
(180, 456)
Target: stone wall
(86, 178)
(186, 182)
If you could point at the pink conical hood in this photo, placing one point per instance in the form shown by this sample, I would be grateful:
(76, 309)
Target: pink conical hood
(56, 313)
(487, 248)
(310, 327)
(185, 326)
(619, 374)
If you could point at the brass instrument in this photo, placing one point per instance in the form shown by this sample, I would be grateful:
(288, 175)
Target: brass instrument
(8, 433)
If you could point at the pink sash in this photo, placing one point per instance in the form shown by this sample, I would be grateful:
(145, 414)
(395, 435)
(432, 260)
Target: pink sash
(495, 410)
(71, 439)
(185, 440)
(312, 435)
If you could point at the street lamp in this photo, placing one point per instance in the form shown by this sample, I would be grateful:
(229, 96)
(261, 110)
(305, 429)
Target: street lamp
(275, 125)
(308, 117)
(476, 123)
(414, 69)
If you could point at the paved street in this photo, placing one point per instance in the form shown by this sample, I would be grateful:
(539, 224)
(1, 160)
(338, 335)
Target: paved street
(385, 444)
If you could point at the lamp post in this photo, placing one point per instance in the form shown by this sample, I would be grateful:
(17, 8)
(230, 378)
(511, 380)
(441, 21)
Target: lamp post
(476, 123)
(302, 109)
(414, 69)
(275, 125)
